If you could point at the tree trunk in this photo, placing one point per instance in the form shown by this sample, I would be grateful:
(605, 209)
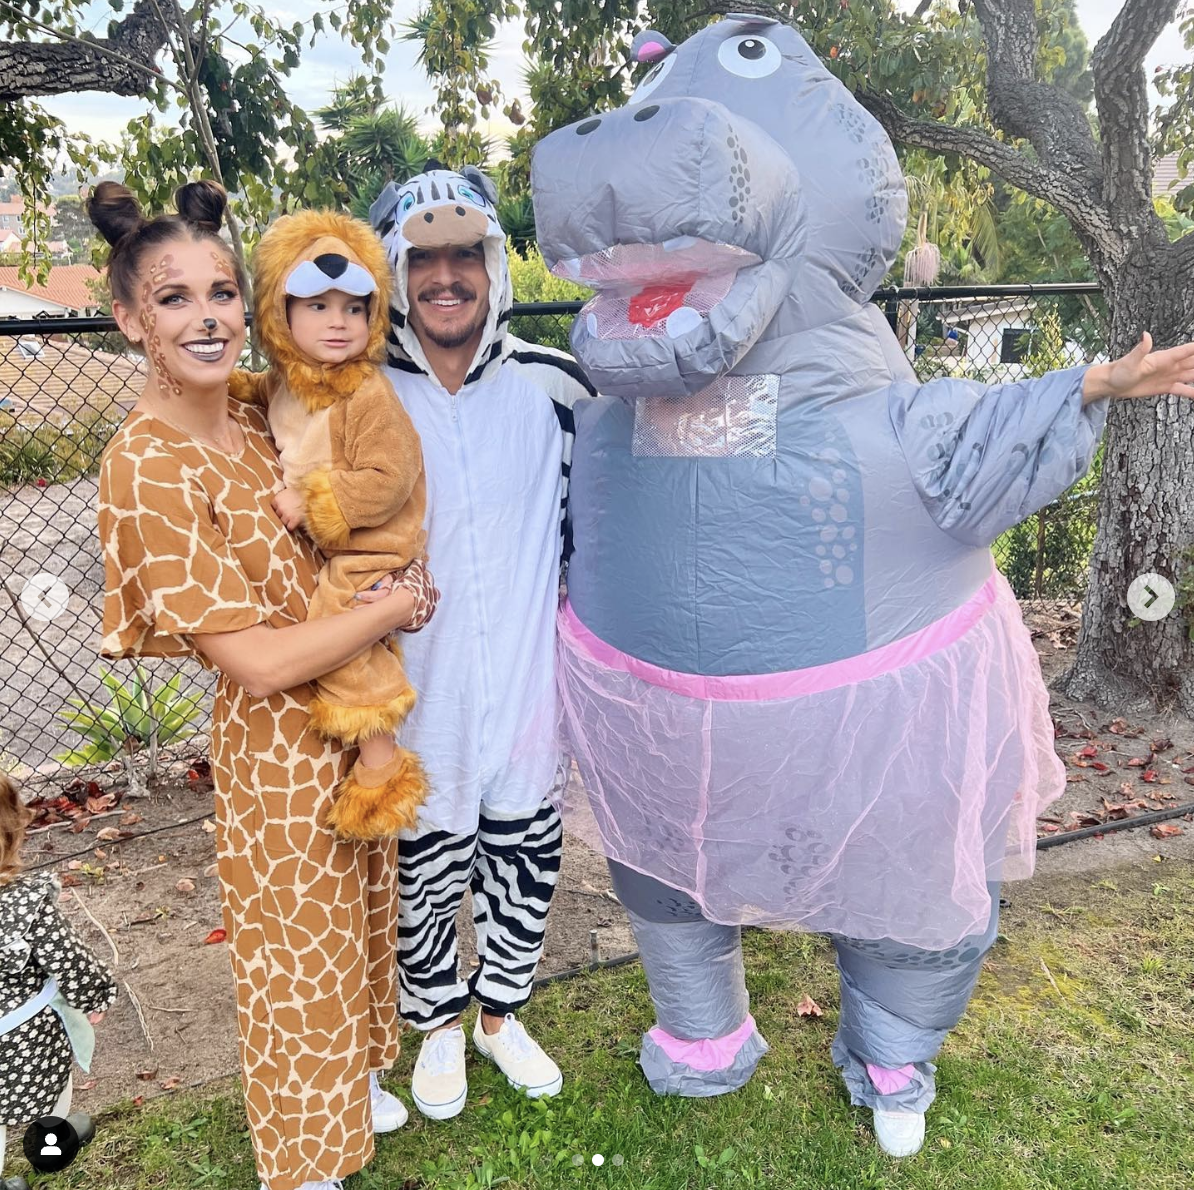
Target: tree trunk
(1146, 508)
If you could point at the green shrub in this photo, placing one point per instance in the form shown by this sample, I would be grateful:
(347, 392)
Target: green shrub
(533, 283)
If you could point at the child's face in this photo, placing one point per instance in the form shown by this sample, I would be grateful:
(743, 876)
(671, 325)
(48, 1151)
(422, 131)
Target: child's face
(331, 327)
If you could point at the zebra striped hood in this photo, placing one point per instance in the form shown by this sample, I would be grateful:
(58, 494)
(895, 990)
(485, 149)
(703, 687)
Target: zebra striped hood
(434, 208)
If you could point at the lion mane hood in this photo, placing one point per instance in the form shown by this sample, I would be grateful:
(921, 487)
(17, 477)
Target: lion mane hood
(313, 236)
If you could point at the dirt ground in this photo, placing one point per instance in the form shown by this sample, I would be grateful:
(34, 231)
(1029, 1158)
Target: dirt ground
(149, 904)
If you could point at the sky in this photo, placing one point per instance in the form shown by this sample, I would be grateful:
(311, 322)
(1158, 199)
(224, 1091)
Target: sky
(330, 62)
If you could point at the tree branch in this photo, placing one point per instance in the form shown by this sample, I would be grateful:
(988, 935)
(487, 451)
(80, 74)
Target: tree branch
(122, 64)
(1071, 198)
(1022, 106)
(1121, 99)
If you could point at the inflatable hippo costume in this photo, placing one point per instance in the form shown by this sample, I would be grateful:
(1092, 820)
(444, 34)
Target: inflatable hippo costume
(799, 693)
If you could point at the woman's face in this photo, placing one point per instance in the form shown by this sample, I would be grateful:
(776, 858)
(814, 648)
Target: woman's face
(188, 315)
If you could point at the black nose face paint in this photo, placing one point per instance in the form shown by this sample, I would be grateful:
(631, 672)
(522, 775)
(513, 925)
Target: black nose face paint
(210, 324)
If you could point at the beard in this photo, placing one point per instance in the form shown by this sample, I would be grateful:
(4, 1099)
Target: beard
(450, 340)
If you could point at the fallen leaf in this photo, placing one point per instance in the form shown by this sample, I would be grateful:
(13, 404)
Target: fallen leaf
(219, 934)
(1126, 790)
(1161, 744)
(1117, 726)
(147, 1075)
(1137, 762)
(1190, 780)
(100, 853)
(130, 819)
(138, 1100)
(69, 881)
(168, 1084)
(86, 1084)
(97, 805)
(79, 825)
(1166, 830)
(1100, 767)
(110, 834)
(209, 826)
(211, 870)
(75, 864)
(808, 1007)
(1050, 827)
(1075, 779)
(185, 885)
(1088, 752)
(1149, 775)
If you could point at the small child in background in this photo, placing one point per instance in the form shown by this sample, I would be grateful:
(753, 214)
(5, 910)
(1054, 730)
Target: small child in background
(52, 989)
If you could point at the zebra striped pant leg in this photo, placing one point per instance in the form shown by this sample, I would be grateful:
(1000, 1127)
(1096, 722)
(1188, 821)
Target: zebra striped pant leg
(518, 864)
(434, 870)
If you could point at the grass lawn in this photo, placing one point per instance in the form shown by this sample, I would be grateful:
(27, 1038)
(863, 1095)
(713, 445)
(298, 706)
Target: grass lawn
(1074, 1068)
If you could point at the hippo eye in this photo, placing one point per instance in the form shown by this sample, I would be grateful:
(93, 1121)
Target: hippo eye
(474, 198)
(749, 57)
(653, 78)
(408, 201)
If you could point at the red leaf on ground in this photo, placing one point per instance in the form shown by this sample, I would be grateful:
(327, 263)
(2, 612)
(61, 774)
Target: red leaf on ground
(1149, 775)
(808, 1007)
(1117, 726)
(1050, 827)
(1161, 744)
(1074, 778)
(1127, 790)
(217, 935)
(1087, 820)
(138, 1100)
(93, 789)
(97, 805)
(1088, 752)
(79, 825)
(69, 881)
(1137, 762)
(1100, 767)
(1166, 830)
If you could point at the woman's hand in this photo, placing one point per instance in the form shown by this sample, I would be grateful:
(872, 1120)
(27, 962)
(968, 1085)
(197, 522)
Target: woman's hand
(288, 504)
(398, 602)
(1142, 373)
(95, 1017)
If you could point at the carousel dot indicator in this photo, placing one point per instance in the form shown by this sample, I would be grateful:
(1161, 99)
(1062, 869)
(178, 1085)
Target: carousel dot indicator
(618, 1160)
(598, 1159)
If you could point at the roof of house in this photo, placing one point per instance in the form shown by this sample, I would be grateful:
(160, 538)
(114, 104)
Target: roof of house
(969, 309)
(1165, 176)
(16, 206)
(9, 240)
(44, 377)
(66, 285)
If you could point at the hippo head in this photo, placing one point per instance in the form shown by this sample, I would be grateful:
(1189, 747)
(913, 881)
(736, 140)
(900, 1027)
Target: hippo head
(742, 193)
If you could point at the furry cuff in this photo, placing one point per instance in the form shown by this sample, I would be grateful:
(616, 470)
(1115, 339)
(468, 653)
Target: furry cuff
(248, 387)
(325, 521)
(367, 811)
(349, 724)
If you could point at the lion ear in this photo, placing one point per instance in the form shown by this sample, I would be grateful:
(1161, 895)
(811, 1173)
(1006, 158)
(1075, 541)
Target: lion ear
(482, 182)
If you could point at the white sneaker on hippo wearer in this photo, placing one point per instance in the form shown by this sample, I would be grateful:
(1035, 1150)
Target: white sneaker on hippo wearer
(328, 1184)
(899, 1133)
(525, 1065)
(439, 1086)
(389, 1112)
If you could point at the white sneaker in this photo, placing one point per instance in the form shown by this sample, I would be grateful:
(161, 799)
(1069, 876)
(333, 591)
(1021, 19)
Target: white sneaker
(389, 1112)
(899, 1133)
(525, 1065)
(438, 1085)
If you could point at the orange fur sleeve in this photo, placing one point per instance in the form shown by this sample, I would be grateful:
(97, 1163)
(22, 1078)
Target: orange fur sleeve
(253, 388)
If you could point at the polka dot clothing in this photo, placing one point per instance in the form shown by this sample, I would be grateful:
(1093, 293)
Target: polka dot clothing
(37, 942)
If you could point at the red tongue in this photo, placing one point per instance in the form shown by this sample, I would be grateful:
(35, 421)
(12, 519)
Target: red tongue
(656, 302)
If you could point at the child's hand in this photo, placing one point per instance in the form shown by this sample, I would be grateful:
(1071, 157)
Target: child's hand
(95, 1017)
(288, 504)
(1142, 373)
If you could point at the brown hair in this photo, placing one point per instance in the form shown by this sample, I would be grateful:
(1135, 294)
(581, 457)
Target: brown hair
(117, 216)
(14, 818)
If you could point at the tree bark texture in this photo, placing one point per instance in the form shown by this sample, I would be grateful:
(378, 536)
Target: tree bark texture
(122, 64)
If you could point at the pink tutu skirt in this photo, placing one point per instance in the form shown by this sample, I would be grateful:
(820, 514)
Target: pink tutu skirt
(874, 797)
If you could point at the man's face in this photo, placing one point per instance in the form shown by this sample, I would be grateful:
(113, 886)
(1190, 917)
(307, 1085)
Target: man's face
(448, 293)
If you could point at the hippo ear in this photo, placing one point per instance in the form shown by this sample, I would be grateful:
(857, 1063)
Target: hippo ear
(482, 182)
(650, 46)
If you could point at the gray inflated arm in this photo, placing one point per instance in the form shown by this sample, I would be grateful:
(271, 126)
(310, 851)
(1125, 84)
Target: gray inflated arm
(984, 458)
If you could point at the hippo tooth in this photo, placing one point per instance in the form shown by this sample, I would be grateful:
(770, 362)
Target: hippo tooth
(591, 325)
(681, 321)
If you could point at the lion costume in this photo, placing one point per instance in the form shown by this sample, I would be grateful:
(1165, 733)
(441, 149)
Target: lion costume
(348, 446)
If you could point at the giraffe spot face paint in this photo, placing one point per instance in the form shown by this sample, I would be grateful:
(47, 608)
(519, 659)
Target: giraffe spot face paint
(183, 293)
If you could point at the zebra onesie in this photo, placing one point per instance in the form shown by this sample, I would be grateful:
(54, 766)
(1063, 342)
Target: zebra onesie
(497, 455)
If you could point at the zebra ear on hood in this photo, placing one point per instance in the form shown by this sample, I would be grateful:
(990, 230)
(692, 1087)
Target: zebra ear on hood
(482, 182)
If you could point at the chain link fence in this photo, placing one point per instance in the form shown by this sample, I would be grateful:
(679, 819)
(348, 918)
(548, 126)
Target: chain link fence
(66, 384)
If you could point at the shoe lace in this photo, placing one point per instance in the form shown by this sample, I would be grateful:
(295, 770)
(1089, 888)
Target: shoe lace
(518, 1039)
(440, 1052)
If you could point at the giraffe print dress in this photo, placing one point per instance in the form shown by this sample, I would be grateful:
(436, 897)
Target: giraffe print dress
(191, 545)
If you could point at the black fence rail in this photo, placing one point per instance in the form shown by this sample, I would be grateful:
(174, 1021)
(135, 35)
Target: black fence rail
(66, 384)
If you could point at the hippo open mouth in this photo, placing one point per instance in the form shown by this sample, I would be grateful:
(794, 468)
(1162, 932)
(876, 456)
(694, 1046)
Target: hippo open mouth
(654, 290)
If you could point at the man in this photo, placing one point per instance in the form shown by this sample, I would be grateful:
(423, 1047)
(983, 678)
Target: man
(495, 418)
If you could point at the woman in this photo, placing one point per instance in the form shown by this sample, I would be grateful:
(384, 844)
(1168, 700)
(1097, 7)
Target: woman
(197, 563)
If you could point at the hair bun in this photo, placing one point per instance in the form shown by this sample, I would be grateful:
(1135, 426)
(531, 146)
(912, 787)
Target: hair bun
(202, 203)
(114, 212)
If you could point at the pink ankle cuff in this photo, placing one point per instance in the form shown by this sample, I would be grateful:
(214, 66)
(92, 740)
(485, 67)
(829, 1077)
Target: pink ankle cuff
(888, 1082)
(714, 1054)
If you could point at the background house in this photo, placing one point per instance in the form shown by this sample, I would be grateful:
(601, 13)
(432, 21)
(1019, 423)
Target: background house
(68, 291)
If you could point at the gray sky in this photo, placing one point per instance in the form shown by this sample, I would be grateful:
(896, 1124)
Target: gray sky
(331, 62)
